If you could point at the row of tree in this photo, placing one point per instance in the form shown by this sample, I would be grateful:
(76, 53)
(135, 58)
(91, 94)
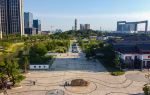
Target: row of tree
(60, 46)
(37, 52)
(99, 50)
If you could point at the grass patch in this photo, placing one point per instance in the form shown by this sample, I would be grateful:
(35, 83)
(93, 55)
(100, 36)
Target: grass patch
(118, 73)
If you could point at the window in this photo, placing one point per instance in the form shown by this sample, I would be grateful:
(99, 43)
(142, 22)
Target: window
(40, 67)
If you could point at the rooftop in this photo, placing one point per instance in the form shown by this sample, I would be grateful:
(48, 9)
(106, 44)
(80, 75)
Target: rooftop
(132, 48)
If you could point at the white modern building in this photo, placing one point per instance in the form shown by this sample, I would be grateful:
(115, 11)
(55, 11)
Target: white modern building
(131, 27)
(134, 56)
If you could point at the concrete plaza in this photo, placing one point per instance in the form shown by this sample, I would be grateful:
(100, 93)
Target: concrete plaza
(75, 66)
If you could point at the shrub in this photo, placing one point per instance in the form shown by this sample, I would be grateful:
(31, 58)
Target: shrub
(146, 89)
(59, 50)
(117, 73)
(47, 58)
(20, 78)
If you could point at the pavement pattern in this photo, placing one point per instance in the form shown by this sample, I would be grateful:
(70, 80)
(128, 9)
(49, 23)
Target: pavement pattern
(71, 66)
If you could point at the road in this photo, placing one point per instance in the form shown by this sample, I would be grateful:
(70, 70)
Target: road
(75, 62)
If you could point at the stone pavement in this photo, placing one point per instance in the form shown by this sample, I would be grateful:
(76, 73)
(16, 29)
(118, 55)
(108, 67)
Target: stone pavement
(101, 83)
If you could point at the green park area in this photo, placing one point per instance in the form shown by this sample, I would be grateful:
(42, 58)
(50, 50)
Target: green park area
(17, 53)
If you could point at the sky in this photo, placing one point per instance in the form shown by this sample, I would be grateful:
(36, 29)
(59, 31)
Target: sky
(60, 14)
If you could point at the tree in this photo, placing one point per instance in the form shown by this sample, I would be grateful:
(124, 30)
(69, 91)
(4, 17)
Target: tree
(146, 88)
(116, 61)
(3, 77)
(37, 53)
(25, 57)
(26, 63)
(12, 70)
(40, 49)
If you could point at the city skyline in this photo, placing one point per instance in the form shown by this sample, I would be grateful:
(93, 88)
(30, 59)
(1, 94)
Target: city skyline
(104, 14)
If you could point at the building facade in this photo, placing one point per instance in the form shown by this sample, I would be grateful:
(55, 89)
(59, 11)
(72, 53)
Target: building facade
(30, 31)
(37, 25)
(130, 27)
(84, 27)
(28, 24)
(87, 27)
(12, 17)
(28, 20)
(134, 56)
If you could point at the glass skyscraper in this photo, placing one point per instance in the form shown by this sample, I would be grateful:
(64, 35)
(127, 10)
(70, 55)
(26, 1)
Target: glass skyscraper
(12, 17)
(37, 25)
(28, 20)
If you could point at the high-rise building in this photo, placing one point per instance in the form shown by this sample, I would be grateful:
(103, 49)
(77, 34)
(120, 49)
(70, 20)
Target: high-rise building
(37, 25)
(30, 31)
(87, 26)
(131, 27)
(84, 27)
(76, 22)
(12, 19)
(28, 24)
(28, 20)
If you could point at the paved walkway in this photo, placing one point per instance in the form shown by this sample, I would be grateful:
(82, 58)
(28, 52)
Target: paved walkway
(75, 66)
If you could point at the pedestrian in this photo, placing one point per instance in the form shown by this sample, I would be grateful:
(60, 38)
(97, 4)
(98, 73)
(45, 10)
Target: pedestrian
(65, 84)
(33, 82)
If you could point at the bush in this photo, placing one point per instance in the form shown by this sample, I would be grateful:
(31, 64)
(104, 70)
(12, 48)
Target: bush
(47, 58)
(37, 53)
(117, 73)
(20, 78)
(146, 89)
